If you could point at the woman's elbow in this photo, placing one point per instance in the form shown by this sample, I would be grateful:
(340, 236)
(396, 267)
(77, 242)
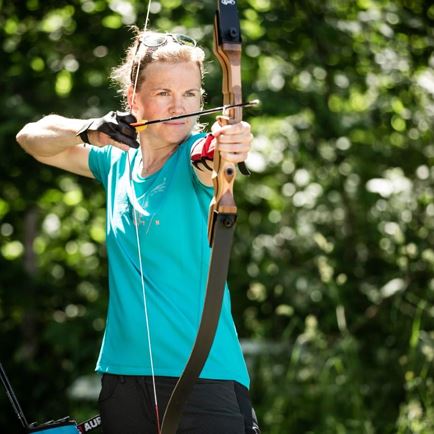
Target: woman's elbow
(23, 138)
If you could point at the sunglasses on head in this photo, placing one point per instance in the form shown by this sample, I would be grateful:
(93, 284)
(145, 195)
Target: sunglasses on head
(155, 40)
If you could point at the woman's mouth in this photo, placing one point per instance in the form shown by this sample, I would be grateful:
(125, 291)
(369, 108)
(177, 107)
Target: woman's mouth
(174, 123)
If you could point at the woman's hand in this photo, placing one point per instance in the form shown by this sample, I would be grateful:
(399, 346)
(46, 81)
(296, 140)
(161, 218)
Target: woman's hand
(233, 141)
(112, 129)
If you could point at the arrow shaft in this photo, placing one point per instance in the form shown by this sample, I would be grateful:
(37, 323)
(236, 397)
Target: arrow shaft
(199, 113)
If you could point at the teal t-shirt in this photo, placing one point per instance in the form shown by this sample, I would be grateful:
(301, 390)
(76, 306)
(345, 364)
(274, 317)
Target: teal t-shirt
(171, 215)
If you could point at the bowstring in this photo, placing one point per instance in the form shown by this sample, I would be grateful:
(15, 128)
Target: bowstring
(136, 79)
(136, 225)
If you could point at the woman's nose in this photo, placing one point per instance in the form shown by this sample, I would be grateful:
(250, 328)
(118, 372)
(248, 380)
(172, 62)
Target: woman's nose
(177, 106)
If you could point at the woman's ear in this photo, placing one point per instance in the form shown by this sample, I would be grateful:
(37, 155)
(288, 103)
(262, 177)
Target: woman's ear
(131, 104)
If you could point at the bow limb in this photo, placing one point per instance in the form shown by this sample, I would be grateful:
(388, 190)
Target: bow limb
(227, 49)
(222, 216)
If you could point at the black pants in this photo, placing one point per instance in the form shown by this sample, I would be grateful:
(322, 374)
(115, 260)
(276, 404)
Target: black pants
(214, 407)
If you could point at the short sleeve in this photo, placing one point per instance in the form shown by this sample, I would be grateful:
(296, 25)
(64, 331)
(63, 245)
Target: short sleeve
(100, 162)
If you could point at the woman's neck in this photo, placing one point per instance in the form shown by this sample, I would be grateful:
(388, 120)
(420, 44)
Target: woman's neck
(153, 159)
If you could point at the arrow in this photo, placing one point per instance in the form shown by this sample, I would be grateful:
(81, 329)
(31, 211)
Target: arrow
(140, 126)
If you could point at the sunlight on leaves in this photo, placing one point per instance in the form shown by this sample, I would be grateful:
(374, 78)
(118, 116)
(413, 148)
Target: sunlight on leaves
(12, 250)
(63, 84)
(112, 21)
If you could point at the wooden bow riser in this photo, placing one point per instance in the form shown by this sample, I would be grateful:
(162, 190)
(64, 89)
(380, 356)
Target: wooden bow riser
(224, 171)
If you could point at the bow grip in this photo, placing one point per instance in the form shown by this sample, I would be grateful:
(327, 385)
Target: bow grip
(223, 178)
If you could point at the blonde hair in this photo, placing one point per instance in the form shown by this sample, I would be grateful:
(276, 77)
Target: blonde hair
(138, 55)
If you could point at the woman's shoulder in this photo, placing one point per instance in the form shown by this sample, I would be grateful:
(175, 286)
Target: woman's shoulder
(193, 138)
(190, 142)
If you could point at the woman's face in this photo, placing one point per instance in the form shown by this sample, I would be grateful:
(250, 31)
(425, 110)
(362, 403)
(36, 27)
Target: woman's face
(169, 89)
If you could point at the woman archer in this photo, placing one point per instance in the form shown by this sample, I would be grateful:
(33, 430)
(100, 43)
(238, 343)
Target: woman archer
(158, 191)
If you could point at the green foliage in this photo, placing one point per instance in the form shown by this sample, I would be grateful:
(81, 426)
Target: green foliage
(332, 266)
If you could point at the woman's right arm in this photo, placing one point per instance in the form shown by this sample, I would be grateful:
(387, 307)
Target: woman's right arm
(53, 140)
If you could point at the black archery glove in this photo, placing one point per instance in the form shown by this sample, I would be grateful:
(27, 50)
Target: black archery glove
(116, 125)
